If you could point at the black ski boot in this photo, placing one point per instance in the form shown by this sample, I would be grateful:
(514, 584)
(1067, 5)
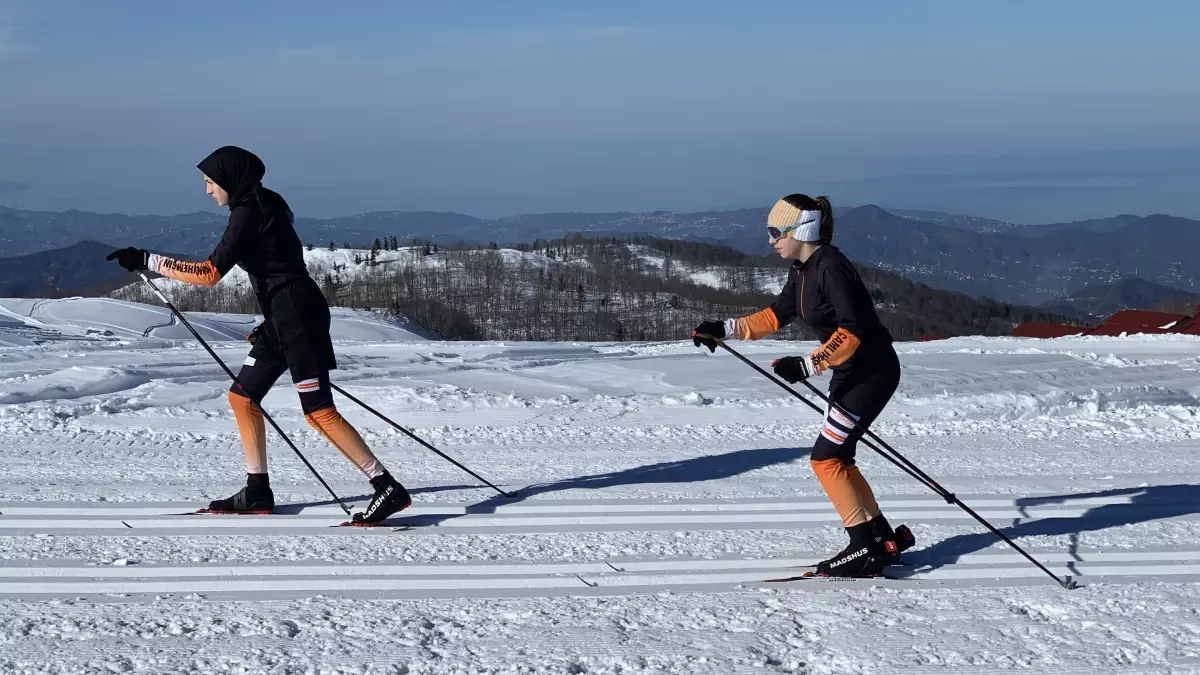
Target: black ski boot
(864, 557)
(894, 542)
(256, 498)
(390, 498)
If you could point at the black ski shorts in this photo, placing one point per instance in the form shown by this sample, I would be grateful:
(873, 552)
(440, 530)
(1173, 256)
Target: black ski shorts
(863, 391)
(293, 337)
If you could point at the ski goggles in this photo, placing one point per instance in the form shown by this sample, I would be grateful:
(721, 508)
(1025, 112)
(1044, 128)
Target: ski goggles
(809, 224)
(777, 233)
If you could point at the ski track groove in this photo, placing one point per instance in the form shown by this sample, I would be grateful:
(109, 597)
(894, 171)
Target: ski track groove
(531, 579)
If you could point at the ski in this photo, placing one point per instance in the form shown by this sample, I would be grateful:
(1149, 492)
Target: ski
(218, 512)
(351, 523)
(400, 527)
(265, 512)
(385, 527)
(813, 576)
(811, 570)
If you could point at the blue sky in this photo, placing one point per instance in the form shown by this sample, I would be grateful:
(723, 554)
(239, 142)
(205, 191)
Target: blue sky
(493, 108)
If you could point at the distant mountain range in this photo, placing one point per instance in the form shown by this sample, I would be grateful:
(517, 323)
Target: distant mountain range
(1025, 269)
(1101, 300)
(31, 231)
(970, 223)
(981, 257)
(79, 269)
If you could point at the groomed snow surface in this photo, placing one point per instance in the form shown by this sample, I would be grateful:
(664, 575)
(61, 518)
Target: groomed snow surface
(657, 487)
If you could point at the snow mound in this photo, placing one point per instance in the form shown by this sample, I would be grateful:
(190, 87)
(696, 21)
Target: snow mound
(26, 322)
(1009, 405)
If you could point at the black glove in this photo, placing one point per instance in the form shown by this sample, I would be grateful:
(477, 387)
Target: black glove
(792, 368)
(132, 259)
(716, 329)
(256, 335)
(260, 336)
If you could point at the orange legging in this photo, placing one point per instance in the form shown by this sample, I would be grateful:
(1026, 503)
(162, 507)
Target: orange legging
(848, 490)
(328, 421)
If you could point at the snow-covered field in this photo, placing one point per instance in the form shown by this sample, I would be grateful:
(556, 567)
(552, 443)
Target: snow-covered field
(657, 486)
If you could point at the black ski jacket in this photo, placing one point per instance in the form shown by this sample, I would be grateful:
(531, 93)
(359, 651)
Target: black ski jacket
(827, 293)
(260, 236)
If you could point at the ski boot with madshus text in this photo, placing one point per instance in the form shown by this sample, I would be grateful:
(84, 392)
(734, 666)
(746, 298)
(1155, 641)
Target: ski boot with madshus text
(390, 498)
(254, 499)
(873, 546)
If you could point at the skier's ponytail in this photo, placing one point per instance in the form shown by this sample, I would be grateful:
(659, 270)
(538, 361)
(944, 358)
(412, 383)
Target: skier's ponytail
(826, 208)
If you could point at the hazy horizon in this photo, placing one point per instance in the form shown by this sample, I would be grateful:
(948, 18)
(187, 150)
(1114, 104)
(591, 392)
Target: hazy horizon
(1028, 112)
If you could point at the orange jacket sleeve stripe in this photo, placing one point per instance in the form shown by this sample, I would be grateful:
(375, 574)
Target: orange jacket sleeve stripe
(837, 349)
(199, 273)
(757, 325)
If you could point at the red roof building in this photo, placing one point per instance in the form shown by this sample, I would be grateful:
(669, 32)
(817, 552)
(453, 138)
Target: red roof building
(1043, 329)
(1133, 321)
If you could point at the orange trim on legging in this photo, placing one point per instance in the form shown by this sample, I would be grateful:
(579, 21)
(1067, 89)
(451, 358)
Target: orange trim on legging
(330, 423)
(252, 430)
(848, 490)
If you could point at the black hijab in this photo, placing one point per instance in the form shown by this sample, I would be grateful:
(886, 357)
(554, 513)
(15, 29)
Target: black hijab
(239, 172)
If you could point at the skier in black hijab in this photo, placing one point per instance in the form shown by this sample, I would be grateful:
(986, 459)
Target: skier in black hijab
(294, 334)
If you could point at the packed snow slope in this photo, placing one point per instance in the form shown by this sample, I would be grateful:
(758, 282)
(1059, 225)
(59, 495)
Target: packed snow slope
(656, 487)
(26, 321)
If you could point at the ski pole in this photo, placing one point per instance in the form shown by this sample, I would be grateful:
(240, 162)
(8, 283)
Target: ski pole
(238, 383)
(419, 440)
(900, 461)
(933, 486)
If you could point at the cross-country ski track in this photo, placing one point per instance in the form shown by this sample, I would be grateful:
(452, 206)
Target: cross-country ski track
(599, 577)
(656, 489)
